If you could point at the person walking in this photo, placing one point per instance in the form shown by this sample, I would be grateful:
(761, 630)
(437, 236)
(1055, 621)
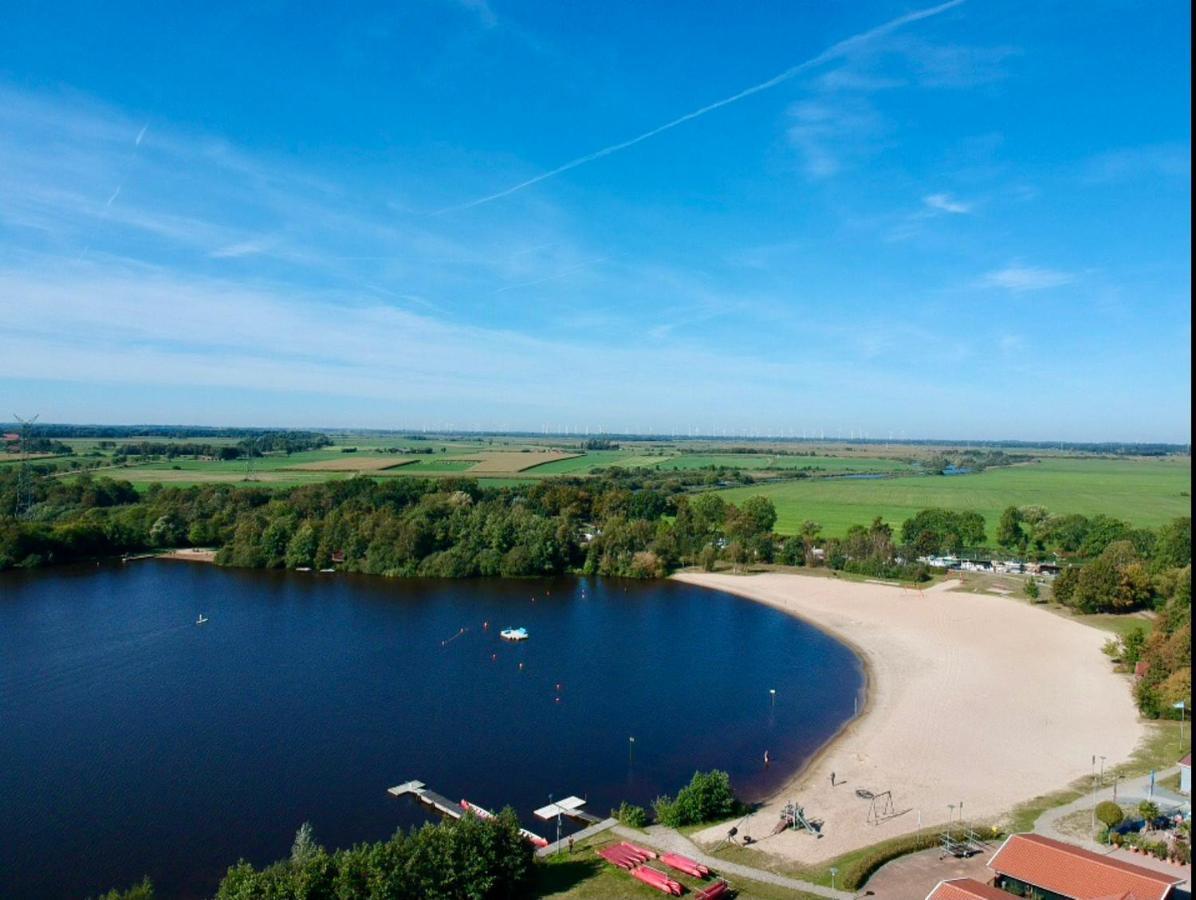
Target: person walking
(832, 779)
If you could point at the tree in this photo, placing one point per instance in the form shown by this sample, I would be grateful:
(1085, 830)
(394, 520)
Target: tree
(1109, 814)
(304, 846)
(706, 798)
(1009, 530)
(1032, 589)
(1148, 811)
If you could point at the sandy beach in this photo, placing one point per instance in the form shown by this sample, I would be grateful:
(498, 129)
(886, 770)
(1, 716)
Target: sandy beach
(971, 698)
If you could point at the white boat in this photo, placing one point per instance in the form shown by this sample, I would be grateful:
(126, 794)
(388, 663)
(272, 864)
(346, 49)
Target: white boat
(514, 634)
(200, 620)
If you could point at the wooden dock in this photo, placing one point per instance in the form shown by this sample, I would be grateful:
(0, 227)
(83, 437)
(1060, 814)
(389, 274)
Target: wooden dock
(571, 807)
(438, 802)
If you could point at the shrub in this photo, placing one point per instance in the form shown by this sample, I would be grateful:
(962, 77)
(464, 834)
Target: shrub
(630, 815)
(1109, 814)
(706, 798)
(142, 891)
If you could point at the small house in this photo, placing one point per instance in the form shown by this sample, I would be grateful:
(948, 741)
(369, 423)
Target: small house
(1042, 868)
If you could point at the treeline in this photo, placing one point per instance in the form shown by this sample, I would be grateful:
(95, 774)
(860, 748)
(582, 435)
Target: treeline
(270, 442)
(124, 432)
(470, 858)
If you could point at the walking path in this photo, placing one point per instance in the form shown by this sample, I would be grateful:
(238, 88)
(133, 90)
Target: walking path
(661, 838)
(588, 832)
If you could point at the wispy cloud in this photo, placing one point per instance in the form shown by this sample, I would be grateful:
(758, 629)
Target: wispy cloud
(1155, 161)
(1019, 278)
(947, 204)
(830, 134)
(833, 52)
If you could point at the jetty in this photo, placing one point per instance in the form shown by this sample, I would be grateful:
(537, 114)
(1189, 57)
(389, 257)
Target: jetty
(424, 795)
(447, 807)
(570, 807)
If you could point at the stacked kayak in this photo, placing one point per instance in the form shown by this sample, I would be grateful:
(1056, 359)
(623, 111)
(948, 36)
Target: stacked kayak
(685, 864)
(657, 879)
(635, 860)
(711, 891)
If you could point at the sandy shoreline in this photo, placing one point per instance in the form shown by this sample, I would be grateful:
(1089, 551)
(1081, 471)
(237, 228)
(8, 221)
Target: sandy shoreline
(191, 554)
(970, 698)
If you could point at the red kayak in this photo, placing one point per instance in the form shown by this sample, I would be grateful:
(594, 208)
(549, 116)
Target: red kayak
(476, 810)
(685, 864)
(640, 851)
(657, 879)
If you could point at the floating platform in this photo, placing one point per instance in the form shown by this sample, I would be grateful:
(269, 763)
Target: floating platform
(570, 806)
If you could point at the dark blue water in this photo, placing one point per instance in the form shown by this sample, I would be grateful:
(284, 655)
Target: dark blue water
(134, 742)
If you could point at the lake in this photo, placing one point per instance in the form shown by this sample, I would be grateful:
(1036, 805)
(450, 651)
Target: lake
(134, 742)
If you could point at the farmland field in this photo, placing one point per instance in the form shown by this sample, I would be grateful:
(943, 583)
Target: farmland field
(763, 461)
(1144, 492)
(353, 463)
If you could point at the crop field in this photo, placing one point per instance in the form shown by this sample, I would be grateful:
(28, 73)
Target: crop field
(1144, 492)
(351, 462)
(505, 462)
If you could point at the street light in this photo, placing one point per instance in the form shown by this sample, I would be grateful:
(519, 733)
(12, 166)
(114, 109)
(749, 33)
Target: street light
(834, 872)
(1116, 779)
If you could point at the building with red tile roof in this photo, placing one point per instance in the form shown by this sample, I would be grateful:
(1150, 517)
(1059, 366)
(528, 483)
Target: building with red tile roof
(966, 889)
(1041, 867)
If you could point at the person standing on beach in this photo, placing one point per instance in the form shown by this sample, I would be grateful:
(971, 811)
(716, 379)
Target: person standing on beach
(832, 779)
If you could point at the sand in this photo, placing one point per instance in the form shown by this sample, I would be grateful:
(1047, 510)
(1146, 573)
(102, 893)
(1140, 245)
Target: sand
(976, 699)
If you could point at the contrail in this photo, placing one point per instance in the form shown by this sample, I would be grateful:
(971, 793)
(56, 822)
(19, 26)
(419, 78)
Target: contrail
(832, 52)
(140, 135)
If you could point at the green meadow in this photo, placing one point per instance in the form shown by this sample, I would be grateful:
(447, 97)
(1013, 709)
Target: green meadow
(1144, 492)
(758, 462)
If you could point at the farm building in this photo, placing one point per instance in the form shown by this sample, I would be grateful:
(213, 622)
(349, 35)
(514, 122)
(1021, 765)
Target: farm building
(1030, 865)
(1185, 775)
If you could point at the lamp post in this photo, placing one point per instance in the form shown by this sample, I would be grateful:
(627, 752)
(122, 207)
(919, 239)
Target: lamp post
(558, 824)
(834, 872)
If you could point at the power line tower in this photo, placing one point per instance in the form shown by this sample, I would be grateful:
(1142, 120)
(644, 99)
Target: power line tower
(24, 474)
(249, 451)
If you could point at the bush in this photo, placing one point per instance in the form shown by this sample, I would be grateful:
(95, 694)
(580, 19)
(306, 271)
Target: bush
(142, 891)
(630, 815)
(1109, 814)
(707, 798)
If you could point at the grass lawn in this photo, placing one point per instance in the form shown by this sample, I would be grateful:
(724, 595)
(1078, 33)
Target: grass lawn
(1147, 492)
(583, 875)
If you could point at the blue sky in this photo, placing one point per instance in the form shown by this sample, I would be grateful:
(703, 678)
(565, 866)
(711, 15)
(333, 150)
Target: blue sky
(961, 221)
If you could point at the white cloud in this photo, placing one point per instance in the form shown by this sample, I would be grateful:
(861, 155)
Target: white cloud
(833, 133)
(1157, 161)
(1019, 278)
(946, 203)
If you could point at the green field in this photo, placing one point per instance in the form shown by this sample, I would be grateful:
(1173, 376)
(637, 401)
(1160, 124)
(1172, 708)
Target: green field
(759, 462)
(1144, 492)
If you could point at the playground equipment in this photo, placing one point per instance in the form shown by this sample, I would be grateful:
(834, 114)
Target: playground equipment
(880, 806)
(794, 816)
